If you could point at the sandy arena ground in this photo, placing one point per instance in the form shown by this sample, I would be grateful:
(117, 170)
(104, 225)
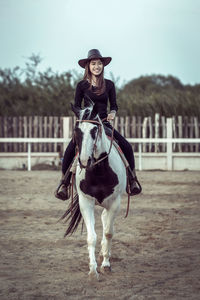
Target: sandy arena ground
(155, 252)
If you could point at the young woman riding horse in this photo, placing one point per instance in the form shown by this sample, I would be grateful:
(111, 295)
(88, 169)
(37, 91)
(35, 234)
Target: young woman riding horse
(101, 91)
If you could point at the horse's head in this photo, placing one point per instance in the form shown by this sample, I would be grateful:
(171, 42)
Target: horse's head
(87, 134)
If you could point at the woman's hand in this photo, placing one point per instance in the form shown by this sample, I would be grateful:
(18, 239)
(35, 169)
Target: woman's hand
(111, 116)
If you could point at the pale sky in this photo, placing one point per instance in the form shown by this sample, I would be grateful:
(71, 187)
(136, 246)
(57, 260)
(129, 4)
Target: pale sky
(143, 37)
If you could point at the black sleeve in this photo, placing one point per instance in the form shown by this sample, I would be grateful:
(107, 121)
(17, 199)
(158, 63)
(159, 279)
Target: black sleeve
(78, 95)
(112, 97)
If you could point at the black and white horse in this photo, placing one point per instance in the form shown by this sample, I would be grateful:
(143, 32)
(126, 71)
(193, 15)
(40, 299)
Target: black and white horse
(100, 180)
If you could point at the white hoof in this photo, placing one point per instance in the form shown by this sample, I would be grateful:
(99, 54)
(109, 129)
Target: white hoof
(105, 269)
(93, 275)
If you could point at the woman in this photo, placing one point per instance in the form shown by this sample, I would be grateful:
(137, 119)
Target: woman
(100, 91)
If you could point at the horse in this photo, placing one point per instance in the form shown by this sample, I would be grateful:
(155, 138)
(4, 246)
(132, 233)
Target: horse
(100, 180)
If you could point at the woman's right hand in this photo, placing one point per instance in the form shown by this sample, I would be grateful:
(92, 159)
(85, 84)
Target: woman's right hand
(111, 116)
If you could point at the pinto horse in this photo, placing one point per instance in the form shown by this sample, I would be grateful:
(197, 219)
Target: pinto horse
(100, 180)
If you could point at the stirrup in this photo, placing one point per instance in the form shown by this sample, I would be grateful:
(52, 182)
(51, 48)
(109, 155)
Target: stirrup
(133, 185)
(63, 192)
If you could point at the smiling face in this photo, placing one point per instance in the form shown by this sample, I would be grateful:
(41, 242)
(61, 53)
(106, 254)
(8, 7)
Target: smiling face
(96, 67)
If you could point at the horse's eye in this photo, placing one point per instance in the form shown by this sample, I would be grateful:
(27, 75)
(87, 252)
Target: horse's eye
(93, 132)
(78, 135)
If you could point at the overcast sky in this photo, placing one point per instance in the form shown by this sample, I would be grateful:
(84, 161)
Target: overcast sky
(143, 37)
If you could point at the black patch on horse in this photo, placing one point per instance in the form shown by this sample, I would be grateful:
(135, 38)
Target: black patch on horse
(99, 181)
(78, 134)
(93, 132)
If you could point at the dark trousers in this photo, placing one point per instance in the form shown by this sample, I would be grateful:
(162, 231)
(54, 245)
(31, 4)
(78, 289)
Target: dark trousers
(123, 143)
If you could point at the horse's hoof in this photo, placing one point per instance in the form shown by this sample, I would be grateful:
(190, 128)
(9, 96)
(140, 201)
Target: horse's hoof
(94, 275)
(105, 270)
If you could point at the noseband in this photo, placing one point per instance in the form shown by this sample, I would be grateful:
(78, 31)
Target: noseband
(98, 133)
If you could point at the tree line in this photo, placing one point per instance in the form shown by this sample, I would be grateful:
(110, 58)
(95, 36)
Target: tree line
(25, 92)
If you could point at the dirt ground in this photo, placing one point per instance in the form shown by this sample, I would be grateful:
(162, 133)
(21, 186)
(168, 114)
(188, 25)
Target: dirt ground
(155, 252)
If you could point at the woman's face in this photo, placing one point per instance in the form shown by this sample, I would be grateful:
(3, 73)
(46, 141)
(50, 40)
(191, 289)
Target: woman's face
(96, 67)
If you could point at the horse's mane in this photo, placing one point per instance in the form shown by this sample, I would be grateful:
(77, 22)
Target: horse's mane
(89, 112)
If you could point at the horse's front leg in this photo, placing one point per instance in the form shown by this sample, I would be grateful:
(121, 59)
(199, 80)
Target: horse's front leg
(108, 217)
(87, 211)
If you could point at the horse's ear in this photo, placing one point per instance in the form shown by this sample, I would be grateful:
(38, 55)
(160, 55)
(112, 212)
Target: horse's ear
(94, 113)
(88, 101)
(76, 110)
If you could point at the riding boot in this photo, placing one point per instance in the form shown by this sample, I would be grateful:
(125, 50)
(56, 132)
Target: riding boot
(63, 191)
(134, 185)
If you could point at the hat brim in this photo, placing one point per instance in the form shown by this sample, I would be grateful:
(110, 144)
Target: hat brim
(106, 60)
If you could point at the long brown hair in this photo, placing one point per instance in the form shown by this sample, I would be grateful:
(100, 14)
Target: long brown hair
(101, 86)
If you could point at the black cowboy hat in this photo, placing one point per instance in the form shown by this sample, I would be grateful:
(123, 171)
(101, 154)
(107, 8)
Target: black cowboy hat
(93, 54)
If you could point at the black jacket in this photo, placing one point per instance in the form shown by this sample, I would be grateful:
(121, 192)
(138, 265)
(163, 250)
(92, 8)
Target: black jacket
(100, 101)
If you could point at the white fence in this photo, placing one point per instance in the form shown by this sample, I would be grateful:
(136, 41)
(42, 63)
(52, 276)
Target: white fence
(169, 154)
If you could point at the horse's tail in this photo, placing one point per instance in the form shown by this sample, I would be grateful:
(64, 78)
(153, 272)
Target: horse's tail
(73, 214)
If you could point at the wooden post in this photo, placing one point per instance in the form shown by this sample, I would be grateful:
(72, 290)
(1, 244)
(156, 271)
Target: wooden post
(163, 126)
(191, 135)
(140, 157)
(50, 132)
(1, 134)
(35, 131)
(10, 132)
(157, 117)
(45, 133)
(29, 156)
(196, 133)
(186, 130)
(139, 127)
(174, 132)
(55, 132)
(127, 127)
(31, 130)
(144, 133)
(40, 132)
(169, 144)
(20, 133)
(66, 131)
(180, 132)
(25, 132)
(133, 130)
(122, 126)
(150, 132)
(15, 133)
(116, 123)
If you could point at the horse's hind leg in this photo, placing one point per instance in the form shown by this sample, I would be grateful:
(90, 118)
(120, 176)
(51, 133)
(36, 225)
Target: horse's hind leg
(107, 218)
(87, 211)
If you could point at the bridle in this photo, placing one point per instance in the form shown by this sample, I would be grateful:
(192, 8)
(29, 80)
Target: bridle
(99, 132)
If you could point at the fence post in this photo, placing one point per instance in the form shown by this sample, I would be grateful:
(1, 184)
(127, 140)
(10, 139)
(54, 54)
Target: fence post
(29, 156)
(66, 131)
(140, 157)
(169, 144)
(157, 119)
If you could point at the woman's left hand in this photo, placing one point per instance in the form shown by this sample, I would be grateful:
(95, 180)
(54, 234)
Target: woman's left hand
(110, 116)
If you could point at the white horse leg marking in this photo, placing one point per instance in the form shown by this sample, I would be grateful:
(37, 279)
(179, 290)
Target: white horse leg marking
(87, 211)
(108, 217)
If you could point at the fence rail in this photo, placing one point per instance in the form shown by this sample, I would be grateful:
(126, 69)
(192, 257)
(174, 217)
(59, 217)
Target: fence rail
(130, 127)
(168, 141)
